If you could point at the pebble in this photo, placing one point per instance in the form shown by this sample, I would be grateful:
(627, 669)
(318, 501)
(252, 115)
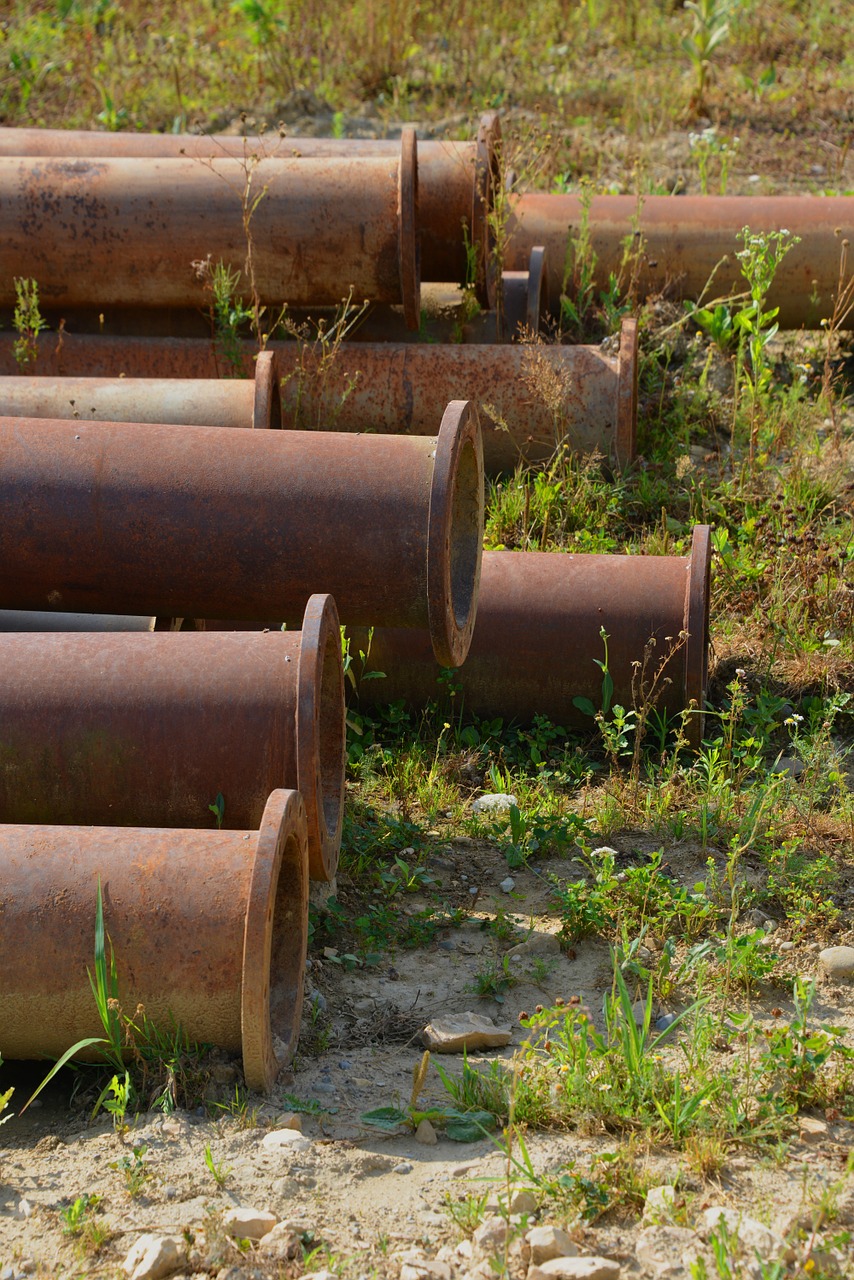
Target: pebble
(285, 1140)
(665, 1021)
(811, 1130)
(524, 1202)
(403, 1167)
(345, 1064)
(667, 1251)
(289, 1120)
(508, 885)
(151, 1257)
(426, 1134)
(659, 1201)
(587, 1268)
(546, 1243)
(282, 1243)
(539, 944)
(464, 1031)
(498, 802)
(244, 1223)
(324, 1086)
(837, 962)
(490, 1236)
(318, 999)
(754, 1236)
(786, 946)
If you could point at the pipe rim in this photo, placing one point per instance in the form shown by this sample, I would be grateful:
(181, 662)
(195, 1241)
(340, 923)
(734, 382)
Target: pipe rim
(409, 248)
(625, 437)
(697, 625)
(274, 940)
(321, 734)
(455, 533)
(267, 406)
(487, 181)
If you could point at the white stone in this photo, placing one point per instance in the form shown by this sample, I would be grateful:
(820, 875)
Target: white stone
(587, 1268)
(290, 1120)
(490, 1236)
(508, 885)
(658, 1205)
(153, 1256)
(523, 1202)
(500, 802)
(244, 1223)
(667, 1251)
(426, 1134)
(549, 1242)
(282, 1243)
(456, 1032)
(837, 962)
(283, 1140)
(539, 944)
(753, 1236)
(811, 1130)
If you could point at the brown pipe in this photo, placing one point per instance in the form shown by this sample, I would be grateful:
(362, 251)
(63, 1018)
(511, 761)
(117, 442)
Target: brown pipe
(145, 730)
(102, 232)
(683, 240)
(456, 180)
(537, 637)
(384, 387)
(208, 929)
(139, 518)
(228, 402)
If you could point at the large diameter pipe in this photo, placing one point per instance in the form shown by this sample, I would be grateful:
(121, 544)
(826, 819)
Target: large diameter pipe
(537, 641)
(531, 398)
(226, 402)
(208, 929)
(684, 241)
(146, 730)
(457, 181)
(102, 232)
(139, 518)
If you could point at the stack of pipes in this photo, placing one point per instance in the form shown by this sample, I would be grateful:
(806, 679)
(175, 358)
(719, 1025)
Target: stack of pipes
(153, 557)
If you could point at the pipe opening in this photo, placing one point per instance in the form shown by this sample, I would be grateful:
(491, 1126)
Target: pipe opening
(466, 535)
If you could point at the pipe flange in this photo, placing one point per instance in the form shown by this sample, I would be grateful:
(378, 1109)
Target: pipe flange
(321, 734)
(267, 407)
(274, 941)
(625, 437)
(409, 248)
(455, 534)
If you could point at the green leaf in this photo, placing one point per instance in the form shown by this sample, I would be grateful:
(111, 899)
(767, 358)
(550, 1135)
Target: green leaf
(585, 706)
(387, 1118)
(57, 1066)
(469, 1126)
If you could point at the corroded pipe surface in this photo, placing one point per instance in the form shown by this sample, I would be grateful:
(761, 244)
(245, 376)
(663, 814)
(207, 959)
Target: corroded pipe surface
(96, 232)
(537, 637)
(145, 730)
(456, 180)
(108, 517)
(208, 928)
(227, 402)
(383, 387)
(683, 240)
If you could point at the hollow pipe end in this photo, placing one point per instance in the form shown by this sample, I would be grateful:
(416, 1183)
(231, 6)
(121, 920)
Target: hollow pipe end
(321, 734)
(275, 939)
(487, 184)
(267, 408)
(697, 625)
(455, 533)
(409, 248)
(625, 437)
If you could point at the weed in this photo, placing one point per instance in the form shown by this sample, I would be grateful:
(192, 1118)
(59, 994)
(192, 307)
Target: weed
(460, 1125)
(466, 1212)
(134, 1170)
(28, 322)
(218, 1171)
(709, 29)
(4, 1100)
(218, 810)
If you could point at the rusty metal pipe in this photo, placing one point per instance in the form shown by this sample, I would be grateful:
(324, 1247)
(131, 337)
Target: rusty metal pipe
(98, 232)
(144, 730)
(143, 519)
(228, 402)
(384, 387)
(683, 240)
(456, 180)
(208, 928)
(537, 637)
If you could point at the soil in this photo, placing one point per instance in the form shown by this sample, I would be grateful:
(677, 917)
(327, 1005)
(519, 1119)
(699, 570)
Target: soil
(365, 1196)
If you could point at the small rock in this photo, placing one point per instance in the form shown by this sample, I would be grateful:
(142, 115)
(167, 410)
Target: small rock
(539, 944)
(471, 1031)
(758, 919)
(549, 1242)
(588, 1268)
(667, 1251)
(524, 1202)
(785, 946)
(170, 1193)
(790, 766)
(753, 1236)
(403, 1167)
(490, 1236)
(282, 1243)
(290, 1120)
(285, 1140)
(658, 1204)
(837, 962)
(318, 999)
(508, 885)
(244, 1223)
(499, 802)
(153, 1256)
(24, 1209)
(811, 1130)
(665, 1022)
(426, 1134)
(639, 1012)
(324, 1086)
